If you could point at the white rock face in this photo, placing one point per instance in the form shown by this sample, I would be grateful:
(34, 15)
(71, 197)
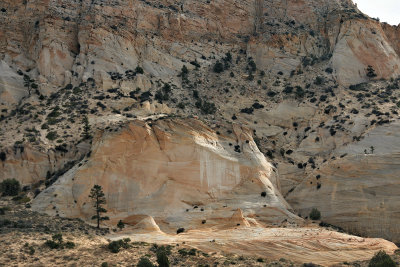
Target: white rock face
(363, 43)
(11, 85)
(359, 191)
(115, 36)
(29, 165)
(177, 171)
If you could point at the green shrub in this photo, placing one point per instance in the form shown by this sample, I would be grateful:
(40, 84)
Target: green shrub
(319, 80)
(139, 70)
(52, 135)
(76, 90)
(218, 67)
(371, 72)
(10, 187)
(183, 252)
(58, 243)
(252, 66)
(288, 89)
(145, 262)
(184, 70)
(208, 107)
(315, 214)
(381, 259)
(31, 250)
(52, 244)
(69, 244)
(162, 258)
(120, 224)
(3, 210)
(21, 199)
(3, 156)
(300, 93)
(54, 113)
(192, 252)
(163, 93)
(115, 246)
(181, 105)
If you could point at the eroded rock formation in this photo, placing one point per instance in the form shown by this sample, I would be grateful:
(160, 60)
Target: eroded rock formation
(83, 55)
(64, 42)
(180, 172)
(357, 190)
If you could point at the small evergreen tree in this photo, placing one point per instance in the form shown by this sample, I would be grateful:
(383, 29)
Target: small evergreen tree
(86, 128)
(97, 194)
(10, 187)
(381, 259)
(139, 70)
(145, 262)
(185, 70)
(162, 258)
(28, 83)
(3, 156)
(120, 225)
(218, 67)
(372, 149)
(228, 57)
(184, 73)
(371, 72)
(315, 214)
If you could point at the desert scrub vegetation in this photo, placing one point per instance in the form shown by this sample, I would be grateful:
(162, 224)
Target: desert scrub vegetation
(10, 187)
(116, 246)
(52, 135)
(57, 242)
(145, 262)
(381, 259)
(315, 214)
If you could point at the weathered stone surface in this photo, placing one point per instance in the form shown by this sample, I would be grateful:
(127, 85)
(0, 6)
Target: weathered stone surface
(52, 39)
(68, 42)
(29, 165)
(305, 244)
(177, 171)
(11, 85)
(361, 44)
(358, 189)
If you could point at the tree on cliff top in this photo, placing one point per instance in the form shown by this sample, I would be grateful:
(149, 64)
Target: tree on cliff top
(97, 194)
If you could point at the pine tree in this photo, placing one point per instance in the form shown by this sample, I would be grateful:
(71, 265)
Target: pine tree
(28, 83)
(162, 258)
(184, 73)
(371, 72)
(86, 128)
(120, 225)
(97, 194)
(372, 149)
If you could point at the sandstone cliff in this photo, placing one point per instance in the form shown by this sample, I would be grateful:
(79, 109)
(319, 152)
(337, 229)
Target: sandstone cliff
(293, 72)
(179, 172)
(357, 189)
(71, 41)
